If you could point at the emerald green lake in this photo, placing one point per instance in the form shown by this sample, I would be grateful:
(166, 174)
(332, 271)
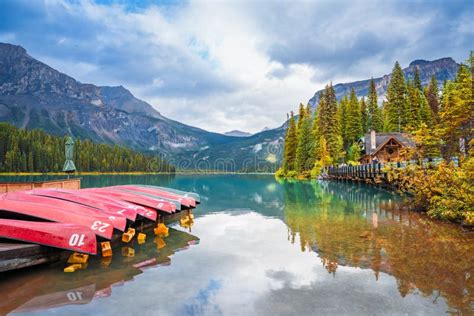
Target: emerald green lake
(258, 246)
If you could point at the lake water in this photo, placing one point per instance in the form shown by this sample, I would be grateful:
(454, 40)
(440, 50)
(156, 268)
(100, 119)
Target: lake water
(262, 247)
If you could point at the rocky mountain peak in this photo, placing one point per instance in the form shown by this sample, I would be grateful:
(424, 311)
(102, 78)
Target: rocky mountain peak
(11, 50)
(443, 69)
(418, 62)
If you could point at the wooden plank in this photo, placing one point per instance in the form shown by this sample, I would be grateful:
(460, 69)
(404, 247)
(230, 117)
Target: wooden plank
(23, 186)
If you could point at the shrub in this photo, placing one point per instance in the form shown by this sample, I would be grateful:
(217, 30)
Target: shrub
(316, 171)
(444, 191)
(292, 174)
(280, 173)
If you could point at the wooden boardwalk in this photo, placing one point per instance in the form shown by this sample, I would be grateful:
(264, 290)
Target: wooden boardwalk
(73, 184)
(370, 173)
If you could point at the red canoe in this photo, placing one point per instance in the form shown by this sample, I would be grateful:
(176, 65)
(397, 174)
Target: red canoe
(136, 198)
(83, 198)
(186, 201)
(100, 225)
(116, 220)
(59, 235)
(139, 209)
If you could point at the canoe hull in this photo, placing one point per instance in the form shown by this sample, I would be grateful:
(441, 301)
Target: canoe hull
(186, 201)
(101, 226)
(59, 235)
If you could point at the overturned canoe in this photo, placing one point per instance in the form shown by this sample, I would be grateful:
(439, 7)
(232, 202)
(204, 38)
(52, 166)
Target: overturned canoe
(193, 195)
(86, 199)
(100, 225)
(136, 198)
(186, 201)
(59, 235)
(117, 221)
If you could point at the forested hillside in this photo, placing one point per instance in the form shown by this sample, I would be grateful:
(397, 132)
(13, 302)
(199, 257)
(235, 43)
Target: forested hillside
(37, 151)
(436, 120)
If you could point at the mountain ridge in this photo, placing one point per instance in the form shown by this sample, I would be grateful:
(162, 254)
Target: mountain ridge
(443, 68)
(34, 95)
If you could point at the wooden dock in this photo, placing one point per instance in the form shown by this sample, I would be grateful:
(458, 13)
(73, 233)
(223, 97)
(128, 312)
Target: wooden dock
(73, 184)
(369, 173)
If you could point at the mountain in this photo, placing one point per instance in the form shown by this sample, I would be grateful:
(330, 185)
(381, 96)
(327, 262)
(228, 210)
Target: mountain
(443, 69)
(237, 133)
(34, 95)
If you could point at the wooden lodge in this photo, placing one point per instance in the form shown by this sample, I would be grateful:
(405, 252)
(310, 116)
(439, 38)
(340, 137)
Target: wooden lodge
(384, 147)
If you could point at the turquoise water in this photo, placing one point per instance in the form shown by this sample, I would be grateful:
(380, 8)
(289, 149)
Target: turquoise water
(257, 246)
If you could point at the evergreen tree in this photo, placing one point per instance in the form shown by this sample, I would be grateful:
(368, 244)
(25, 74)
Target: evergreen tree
(329, 124)
(303, 150)
(456, 115)
(301, 116)
(353, 153)
(354, 119)
(315, 132)
(426, 115)
(413, 114)
(417, 80)
(342, 117)
(325, 159)
(364, 115)
(289, 156)
(396, 105)
(375, 119)
(432, 95)
(36, 151)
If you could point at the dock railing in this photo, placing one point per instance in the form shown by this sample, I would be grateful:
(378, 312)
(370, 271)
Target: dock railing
(375, 172)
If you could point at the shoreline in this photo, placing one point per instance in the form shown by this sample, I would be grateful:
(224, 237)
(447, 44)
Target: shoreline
(8, 174)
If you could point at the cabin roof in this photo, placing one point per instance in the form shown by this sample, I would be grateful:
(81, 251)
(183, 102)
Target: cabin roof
(382, 138)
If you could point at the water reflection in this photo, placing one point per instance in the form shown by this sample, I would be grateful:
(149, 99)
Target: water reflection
(29, 290)
(269, 248)
(350, 225)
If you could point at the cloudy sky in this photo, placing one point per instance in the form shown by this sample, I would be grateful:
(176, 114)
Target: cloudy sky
(223, 65)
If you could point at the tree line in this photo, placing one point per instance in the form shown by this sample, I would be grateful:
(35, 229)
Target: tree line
(438, 122)
(37, 151)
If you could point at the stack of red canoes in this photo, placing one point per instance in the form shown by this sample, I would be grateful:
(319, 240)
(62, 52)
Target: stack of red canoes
(74, 219)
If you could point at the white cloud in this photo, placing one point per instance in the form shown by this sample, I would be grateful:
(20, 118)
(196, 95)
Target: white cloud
(235, 65)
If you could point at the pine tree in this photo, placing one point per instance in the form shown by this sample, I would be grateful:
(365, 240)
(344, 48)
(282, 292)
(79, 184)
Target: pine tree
(413, 111)
(375, 119)
(316, 133)
(417, 80)
(354, 120)
(328, 123)
(426, 115)
(36, 151)
(325, 159)
(290, 146)
(353, 153)
(432, 94)
(303, 150)
(301, 116)
(396, 105)
(364, 115)
(456, 115)
(342, 117)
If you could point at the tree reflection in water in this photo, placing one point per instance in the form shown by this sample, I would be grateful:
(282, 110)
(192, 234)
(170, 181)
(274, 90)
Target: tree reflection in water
(352, 225)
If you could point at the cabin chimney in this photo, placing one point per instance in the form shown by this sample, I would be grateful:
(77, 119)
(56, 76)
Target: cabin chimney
(373, 143)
